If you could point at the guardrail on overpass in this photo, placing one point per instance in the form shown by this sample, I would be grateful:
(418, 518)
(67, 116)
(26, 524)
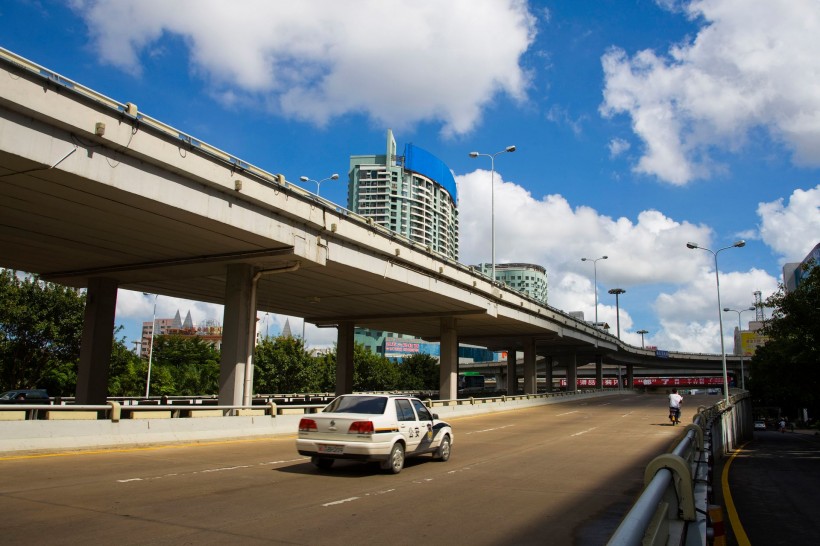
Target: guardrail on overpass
(44, 427)
(675, 506)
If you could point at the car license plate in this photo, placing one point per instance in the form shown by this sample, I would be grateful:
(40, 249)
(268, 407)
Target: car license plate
(331, 449)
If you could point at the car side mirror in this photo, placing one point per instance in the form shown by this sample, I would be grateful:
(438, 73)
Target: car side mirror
(435, 416)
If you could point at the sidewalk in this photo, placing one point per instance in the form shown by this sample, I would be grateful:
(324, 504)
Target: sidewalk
(773, 482)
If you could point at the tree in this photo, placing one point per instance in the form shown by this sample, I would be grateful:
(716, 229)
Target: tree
(373, 372)
(785, 372)
(420, 372)
(40, 331)
(128, 372)
(282, 365)
(326, 372)
(184, 366)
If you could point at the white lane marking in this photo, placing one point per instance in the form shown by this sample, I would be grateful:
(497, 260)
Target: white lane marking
(583, 431)
(627, 414)
(567, 413)
(349, 499)
(225, 468)
(487, 430)
(209, 470)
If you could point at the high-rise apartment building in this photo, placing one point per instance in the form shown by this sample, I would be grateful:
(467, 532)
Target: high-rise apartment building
(413, 194)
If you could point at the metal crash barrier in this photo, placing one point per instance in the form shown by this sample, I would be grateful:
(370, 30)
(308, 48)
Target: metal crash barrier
(676, 503)
(191, 407)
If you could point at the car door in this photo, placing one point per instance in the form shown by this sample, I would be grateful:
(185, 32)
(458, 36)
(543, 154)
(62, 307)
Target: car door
(408, 424)
(425, 423)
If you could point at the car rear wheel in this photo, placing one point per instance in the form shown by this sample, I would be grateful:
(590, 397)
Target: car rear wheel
(395, 462)
(321, 463)
(443, 451)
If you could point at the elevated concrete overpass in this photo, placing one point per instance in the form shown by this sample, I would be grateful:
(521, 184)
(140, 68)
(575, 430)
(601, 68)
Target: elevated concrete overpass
(94, 194)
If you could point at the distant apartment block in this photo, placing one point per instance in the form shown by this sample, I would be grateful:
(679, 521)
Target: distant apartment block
(529, 279)
(209, 331)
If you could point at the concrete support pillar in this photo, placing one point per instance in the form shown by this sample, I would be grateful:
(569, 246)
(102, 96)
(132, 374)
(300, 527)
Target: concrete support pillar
(238, 334)
(530, 386)
(512, 373)
(97, 340)
(548, 371)
(344, 358)
(599, 372)
(448, 362)
(630, 376)
(572, 372)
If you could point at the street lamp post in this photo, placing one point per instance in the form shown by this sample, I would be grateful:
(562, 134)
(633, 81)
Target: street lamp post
(595, 281)
(508, 149)
(333, 176)
(737, 244)
(740, 352)
(617, 292)
(642, 332)
(151, 344)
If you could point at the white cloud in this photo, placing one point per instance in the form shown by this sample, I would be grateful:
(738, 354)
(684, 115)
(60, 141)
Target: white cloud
(646, 252)
(689, 315)
(617, 146)
(751, 65)
(793, 229)
(320, 59)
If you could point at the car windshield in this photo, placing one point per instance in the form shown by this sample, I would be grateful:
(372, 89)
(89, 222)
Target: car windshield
(8, 395)
(373, 405)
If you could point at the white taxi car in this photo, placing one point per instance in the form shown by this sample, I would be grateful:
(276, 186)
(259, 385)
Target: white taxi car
(373, 427)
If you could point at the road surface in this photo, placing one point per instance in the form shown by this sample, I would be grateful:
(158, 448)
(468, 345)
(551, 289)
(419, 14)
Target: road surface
(560, 474)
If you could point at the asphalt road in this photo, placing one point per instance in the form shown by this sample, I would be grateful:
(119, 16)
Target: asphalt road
(559, 474)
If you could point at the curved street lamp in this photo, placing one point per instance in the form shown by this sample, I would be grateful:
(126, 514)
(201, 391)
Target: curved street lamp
(595, 282)
(737, 244)
(617, 292)
(740, 352)
(508, 149)
(642, 332)
(333, 176)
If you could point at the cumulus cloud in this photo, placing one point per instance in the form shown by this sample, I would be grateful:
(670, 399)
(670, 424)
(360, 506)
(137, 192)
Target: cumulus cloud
(648, 251)
(322, 59)
(643, 250)
(617, 146)
(792, 229)
(751, 65)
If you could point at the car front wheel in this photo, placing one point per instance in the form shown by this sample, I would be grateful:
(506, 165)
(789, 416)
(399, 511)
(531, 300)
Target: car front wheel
(443, 451)
(395, 462)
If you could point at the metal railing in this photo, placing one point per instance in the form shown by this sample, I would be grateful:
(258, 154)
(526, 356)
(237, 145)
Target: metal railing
(180, 407)
(674, 506)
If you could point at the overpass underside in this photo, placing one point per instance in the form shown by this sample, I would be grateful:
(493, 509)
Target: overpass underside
(96, 195)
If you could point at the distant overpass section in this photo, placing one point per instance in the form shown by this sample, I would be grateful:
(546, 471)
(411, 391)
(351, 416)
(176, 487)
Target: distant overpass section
(96, 194)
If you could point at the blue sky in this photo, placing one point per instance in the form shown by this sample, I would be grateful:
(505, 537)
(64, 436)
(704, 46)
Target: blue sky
(639, 125)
